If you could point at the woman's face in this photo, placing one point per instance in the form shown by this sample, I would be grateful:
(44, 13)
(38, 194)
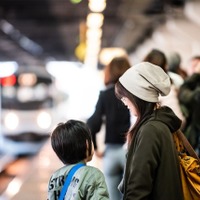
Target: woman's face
(130, 106)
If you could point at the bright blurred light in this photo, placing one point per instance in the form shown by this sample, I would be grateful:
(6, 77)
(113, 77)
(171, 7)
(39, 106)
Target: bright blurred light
(14, 187)
(97, 5)
(107, 54)
(27, 79)
(8, 81)
(94, 33)
(75, 1)
(65, 72)
(62, 68)
(44, 120)
(7, 68)
(81, 84)
(84, 94)
(9, 92)
(41, 91)
(95, 20)
(11, 121)
(80, 50)
(25, 94)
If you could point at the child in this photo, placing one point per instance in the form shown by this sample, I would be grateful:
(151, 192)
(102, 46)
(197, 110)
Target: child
(72, 143)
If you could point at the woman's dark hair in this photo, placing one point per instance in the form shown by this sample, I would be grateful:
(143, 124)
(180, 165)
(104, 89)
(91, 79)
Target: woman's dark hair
(144, 108)
(71, 141)
(116, 67)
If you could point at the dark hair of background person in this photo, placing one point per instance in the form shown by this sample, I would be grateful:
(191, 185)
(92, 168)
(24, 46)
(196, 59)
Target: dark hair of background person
(71, 141)
(115, 69)
(195, 58)
(145, 108)
(157, 57)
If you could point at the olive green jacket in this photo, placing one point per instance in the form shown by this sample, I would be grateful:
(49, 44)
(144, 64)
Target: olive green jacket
(88, 183)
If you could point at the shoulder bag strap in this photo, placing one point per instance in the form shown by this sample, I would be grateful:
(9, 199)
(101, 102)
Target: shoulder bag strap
(68, 179)
(187, 145)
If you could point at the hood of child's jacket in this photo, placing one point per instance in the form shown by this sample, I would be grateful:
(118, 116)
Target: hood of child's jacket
(168, 117)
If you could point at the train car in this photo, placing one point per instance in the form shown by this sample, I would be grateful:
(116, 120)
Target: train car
(27, 110)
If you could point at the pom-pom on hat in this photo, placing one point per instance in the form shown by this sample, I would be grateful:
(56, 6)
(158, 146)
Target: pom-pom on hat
(146, 81)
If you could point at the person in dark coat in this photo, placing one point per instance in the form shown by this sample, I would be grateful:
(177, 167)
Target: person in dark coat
(189, 98)
(152, 168)
(111, 112)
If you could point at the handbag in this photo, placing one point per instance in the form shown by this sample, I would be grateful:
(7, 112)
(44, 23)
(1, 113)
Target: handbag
(189, 167)
(68, 180)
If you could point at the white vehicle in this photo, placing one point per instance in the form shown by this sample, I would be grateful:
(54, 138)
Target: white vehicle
(28, 110)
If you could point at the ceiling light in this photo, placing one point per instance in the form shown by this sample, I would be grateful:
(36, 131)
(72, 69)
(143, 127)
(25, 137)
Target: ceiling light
(75, 1)
(7, 68)
(95, 20)
(107, 54)
(97, 5)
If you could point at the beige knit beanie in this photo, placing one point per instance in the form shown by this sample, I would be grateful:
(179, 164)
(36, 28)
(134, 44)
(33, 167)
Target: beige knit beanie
(146, 81)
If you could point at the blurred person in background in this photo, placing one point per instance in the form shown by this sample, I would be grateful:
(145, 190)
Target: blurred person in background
(193, 65)
(174, 68)
(169, 64)
(157, 57)
(116, 117)
(189, 97)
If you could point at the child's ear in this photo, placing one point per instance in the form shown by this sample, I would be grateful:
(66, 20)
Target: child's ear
(89, 154)
(87, 148)
(87, 145)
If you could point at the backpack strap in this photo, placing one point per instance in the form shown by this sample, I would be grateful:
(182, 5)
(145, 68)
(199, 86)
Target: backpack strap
(187, 145)
(68, 180)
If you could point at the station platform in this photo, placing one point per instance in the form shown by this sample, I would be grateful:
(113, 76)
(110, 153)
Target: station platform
(33, 184)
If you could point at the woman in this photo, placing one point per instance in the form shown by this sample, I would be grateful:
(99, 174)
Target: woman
(152, 167)
(116, 116)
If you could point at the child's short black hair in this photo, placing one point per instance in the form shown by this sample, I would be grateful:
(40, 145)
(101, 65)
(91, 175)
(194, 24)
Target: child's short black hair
(71, 141)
